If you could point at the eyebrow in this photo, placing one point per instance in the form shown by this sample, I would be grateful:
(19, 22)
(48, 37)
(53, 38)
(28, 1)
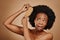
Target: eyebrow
(43, 18)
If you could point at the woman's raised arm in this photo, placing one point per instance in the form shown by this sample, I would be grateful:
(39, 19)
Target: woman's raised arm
(12, 27)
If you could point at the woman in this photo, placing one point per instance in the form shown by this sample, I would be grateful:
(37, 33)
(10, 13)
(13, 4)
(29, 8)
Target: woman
(42, 18)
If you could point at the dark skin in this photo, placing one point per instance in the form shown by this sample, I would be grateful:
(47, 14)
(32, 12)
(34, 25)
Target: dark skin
(36, 34)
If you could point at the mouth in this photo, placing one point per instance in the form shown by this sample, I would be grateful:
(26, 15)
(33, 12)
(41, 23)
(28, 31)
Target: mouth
(39, 27)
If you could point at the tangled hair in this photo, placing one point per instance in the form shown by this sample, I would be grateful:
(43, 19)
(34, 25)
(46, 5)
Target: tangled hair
(42, 9)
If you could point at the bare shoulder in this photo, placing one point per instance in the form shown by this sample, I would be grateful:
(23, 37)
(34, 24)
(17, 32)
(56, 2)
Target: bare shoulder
(49, 36)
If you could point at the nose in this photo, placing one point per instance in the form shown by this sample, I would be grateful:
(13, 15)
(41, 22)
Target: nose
(40, 22)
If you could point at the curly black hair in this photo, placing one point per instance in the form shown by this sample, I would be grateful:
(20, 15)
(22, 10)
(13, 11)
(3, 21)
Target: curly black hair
(42, 9)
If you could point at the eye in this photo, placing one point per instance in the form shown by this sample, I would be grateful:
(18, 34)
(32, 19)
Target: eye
(44, 20)
(38, 18)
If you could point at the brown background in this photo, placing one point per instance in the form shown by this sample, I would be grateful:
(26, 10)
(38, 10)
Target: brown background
(8, 7)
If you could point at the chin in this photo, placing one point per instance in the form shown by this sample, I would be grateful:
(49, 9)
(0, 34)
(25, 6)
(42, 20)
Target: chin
(39, 29)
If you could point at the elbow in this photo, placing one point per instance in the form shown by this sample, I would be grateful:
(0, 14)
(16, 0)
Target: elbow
(5, 23)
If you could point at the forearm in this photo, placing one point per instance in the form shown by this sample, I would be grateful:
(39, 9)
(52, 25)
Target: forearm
(26, 34)
(26, 30)
(12, 17)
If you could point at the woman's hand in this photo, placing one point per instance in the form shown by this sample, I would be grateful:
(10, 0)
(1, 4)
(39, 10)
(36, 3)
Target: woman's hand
(24, 21)
(25, 7)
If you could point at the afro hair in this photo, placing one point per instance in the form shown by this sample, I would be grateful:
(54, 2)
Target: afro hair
(42, 9)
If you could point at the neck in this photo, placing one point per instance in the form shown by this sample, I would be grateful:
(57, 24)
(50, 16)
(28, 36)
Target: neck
(38, 31)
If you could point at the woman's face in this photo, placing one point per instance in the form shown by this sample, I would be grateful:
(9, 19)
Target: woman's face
(41, 21)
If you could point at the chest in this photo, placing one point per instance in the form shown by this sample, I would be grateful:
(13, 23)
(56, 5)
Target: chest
(37, 36)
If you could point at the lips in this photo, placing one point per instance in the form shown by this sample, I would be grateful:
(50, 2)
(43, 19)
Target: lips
(39, 27)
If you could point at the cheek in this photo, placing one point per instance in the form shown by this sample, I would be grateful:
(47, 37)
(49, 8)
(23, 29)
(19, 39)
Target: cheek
(40, 23)
(44, 23)
(35, 22)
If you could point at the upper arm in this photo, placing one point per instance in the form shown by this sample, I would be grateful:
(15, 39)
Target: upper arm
(15, 28)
